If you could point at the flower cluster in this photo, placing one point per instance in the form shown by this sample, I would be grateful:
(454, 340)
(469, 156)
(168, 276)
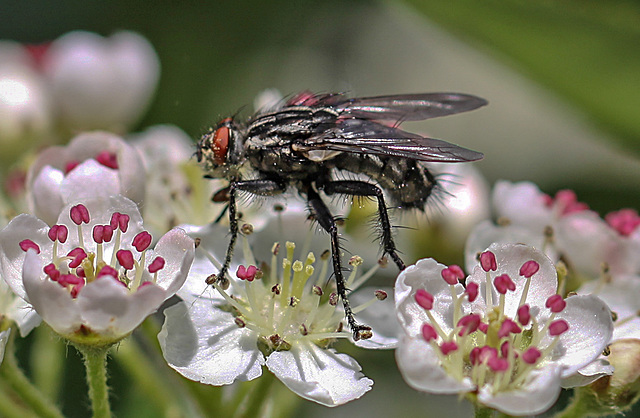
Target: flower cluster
(506, 338)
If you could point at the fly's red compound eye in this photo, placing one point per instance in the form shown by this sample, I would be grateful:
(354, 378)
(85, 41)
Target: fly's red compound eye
(221, 143)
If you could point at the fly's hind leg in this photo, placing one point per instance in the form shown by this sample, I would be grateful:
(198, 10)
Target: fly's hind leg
(327, 222)
(362, 188)
(261, 187)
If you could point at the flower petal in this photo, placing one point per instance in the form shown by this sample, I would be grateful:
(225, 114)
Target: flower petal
(536, 396)
(320, 375)
(588, 374)
(425, 274)
(510, 257)
(109, 308)
(203, 343)
(52, 302)
(178, 251)
(381, 317)
(421, 369)
(12, 256)
(590, 330)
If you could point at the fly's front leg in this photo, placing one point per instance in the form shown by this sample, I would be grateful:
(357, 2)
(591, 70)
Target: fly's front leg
(362, 188)
(261, 187)
(327, 222)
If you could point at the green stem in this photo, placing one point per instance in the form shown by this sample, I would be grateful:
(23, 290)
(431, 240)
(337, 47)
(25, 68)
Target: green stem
(95, 362)
(255, 400)
(576, 408)
(13, 376)
(161, 389)
(483, 411)
(10, 407)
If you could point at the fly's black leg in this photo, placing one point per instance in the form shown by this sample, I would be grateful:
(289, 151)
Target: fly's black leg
(362, 188)
(262, 187)
(327, 222)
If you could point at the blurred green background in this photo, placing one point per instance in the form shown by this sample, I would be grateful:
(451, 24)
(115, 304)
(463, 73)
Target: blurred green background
(562, 79)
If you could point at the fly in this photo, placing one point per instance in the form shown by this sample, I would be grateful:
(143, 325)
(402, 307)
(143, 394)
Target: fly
(305, 140)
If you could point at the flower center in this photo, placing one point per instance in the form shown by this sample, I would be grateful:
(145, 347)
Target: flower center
(291, 303)
(80, 266)
(490, 348)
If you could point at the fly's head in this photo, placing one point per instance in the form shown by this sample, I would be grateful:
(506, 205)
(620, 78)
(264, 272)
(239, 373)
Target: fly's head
(220, 150)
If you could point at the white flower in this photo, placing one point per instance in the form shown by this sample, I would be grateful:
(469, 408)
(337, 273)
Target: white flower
(95, 164)
(176, 192)
(561, 226)
(284, 319)
(507, 336)
(101, 83)
(93, 276)
(25, 108)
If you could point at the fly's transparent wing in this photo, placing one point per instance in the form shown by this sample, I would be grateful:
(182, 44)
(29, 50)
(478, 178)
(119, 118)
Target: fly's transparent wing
(409, 106)
(368, 137)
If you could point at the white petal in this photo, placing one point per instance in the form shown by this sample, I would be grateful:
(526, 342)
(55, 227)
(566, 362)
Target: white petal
(536, 396)
(320, 375)
(178, 251)
(590, 330)
(381, 317)
(45, 199)
(510, 258)
(522, 203)
(109, 308)
(52, 302)
(11, 255)
(90, 180)
(202, 343)
(421, 369)
(486, 233)
(589, 374)
(425, 274)
(621, 295)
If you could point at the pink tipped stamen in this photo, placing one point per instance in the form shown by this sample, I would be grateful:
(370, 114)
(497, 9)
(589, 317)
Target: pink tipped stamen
(158, 264)
(468, 324)
(108, 271)
(246, 273)
(102, 233)
(429, 333)
(107, 159)
(125, 258)
(27, 244)
(556, 303)
(79, 214)
(424, 299)
(531, 355)
(488, 261)
(68, 167)
(51, 271)
(498, 364)
(448, 347)
(472, 291)
(529, 268)
(524, 316)
(624, 221)
(119, 221)
(508, 327)
(58, 233)
(558, 327)
(503, 283)
(452, 274)
(142, 241)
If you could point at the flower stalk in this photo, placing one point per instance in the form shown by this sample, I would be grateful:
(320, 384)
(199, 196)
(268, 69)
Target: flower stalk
(95, 362)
